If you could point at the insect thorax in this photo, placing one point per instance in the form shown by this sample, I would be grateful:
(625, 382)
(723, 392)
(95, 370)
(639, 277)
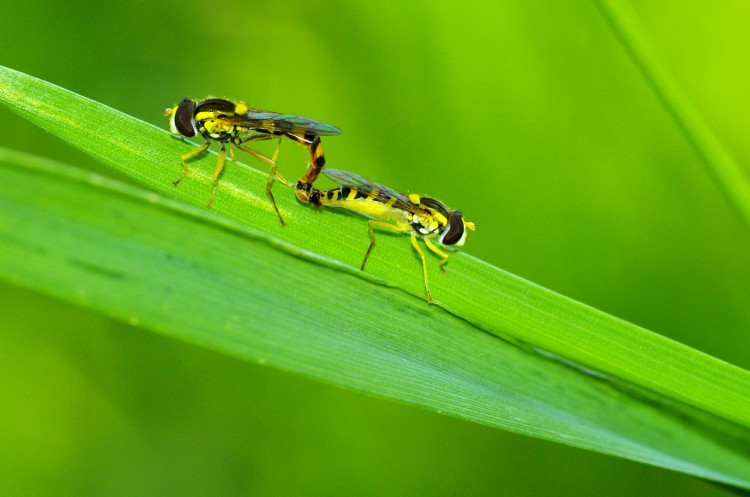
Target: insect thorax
(217, 129)
(426, 224)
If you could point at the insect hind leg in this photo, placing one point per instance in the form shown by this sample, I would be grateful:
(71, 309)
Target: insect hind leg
(272, 162)
(414, 244)
(370, 224)
(238, 143)
(270, 181)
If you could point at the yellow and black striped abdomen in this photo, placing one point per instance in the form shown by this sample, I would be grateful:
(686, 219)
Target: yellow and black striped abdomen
(368, 203)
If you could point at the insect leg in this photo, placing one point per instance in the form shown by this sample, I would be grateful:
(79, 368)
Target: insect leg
(424, 266)
(217, 171)
(439, 252)
(252, 152)
(369, 249)
(370, 224)
(270, 180)
(187, 156)
(270, 160)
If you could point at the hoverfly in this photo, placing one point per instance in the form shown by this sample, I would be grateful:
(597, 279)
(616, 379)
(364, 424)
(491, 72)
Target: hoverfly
(235, 123)
(422, 217)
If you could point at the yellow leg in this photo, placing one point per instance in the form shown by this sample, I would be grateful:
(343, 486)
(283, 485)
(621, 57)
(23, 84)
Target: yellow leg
(269, 160)
(372, 243)
(439, 252)
(217, 172)
(424, 266)
(272, 162)
(270, 181)
(255, 153)
(414, 244)
(187, 156)
(370, 224)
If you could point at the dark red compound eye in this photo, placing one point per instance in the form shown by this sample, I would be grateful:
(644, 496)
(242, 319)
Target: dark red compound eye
(455, 229)
(183, 118)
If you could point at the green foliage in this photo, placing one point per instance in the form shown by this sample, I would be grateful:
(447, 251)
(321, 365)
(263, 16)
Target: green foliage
(720, 164)
(501, 351)
(536, 119)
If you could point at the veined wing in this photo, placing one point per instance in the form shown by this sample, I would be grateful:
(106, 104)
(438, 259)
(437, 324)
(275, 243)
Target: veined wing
(381, 193)
(285, 123)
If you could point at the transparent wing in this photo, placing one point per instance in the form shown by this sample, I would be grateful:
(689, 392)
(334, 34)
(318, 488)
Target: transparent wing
(285, 123)
(380, 192)
(347, 178)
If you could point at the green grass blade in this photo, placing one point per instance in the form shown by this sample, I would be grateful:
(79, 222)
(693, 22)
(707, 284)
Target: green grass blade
(720, 164)
(187, 273)
(498, 302)
(578, 376)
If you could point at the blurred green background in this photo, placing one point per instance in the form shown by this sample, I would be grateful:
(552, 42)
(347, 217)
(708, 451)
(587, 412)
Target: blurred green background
(529, 117)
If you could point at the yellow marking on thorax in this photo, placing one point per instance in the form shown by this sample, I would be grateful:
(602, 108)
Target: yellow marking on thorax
(201, 116)
(241, 108)
(440, 218)
(427, 221)
(218, 125)
(215, 122)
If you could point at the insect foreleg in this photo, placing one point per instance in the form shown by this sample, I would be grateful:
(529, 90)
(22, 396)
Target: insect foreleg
(439, 252)
(217, 172)
(187, 156)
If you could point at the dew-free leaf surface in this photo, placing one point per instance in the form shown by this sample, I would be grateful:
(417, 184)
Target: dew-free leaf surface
(497, 349)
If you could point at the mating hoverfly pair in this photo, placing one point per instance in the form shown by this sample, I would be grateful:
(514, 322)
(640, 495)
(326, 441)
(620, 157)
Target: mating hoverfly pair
(233, 124)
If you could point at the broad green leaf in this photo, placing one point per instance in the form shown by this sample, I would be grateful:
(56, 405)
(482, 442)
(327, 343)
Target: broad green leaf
(195, 276)
(496, 349)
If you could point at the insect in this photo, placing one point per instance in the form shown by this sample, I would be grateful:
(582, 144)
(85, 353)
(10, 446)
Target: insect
(234, 124)
(423, 217)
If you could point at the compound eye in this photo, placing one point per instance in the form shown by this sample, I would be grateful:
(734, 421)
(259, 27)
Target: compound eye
(455, 231)
(183, 118)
